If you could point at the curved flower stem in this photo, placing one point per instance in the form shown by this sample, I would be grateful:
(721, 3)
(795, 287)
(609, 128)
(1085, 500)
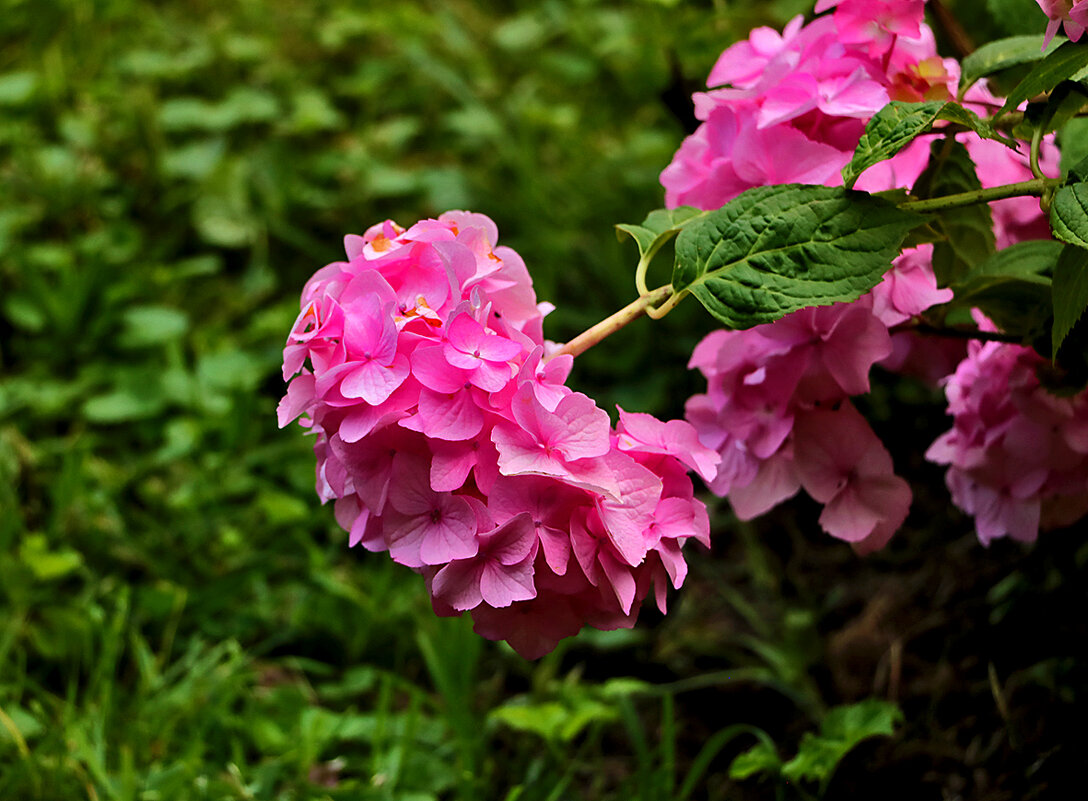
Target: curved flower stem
(656, 313)
(952, 28)
(644, 264)
(1036, 143)
(1036, 186)
(640, 275)
(614, 322)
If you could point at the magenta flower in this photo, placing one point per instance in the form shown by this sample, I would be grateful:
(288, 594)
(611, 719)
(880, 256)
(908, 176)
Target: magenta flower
(1015, 452)
(875, 21)
(426, 527)
(448, 439)
(555, 443)
(501, 574)
(1073, 16)
(842, 464)
(790, 107)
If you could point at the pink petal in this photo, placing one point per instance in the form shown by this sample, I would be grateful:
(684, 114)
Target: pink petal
(512, 542)
(452, 536)
(452, 463)
(502, 585)
(374, 382)
(775, 481)
(300, 394)
(430, 368)
(619, 579)
(449, 417)
(458, 584)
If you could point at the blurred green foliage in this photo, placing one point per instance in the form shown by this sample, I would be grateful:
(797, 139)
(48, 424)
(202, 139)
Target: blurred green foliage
(178, 617)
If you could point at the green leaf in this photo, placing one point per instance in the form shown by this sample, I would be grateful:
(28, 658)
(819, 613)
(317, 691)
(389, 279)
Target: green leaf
(24, 312)
(152, 325)
(890, 130)
(817, 757)
(952, 112)
(842, 730)
(45, 563)
(968, 231)
(552, 720)
(1012, 287)
(17, 88)
(760, 758)
(245, 105)
(1078, 173)
(195, 160)
(1073, 142)
(1000, 55)
(777, 249)
(27, 727)
(1064, 104)
(1060, 65)
(1007, 15)
(223, 222)
(232, 369)
(1070, 293)
(853, 723)
(659, 227)
(186, 113)
(314, 111)
(898, 124)
(1069, 214)
(121, 407)
(1030, 259)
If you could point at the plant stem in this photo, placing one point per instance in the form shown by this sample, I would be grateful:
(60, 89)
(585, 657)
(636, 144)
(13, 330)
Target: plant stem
(1036, 143)
(957, 36)
(956, 332)
(613, 323)
(1036, 187)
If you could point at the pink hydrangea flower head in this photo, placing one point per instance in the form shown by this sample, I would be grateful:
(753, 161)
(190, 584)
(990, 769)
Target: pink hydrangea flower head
(1014, 455)
(447, 438)
(875, 21)
(790, 107)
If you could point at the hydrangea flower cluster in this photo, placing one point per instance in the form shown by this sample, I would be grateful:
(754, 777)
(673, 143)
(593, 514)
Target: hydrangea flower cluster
(777, 408)
(446, 436)
(1072, 15)
(1017, 454)
(792, 108)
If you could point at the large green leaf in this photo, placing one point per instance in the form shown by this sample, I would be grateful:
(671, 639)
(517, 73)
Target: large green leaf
(1034, 258)
(1069, 214)
(1013, 287)
(777, 249)
(890, 130)
(1070, 293)
(1019, 307)
(1061, 65)
(967, 231)
(898, 124)
(1000, 55)
(1065, 103)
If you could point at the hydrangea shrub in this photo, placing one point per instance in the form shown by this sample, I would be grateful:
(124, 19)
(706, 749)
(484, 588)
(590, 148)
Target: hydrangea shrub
(850, 199)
